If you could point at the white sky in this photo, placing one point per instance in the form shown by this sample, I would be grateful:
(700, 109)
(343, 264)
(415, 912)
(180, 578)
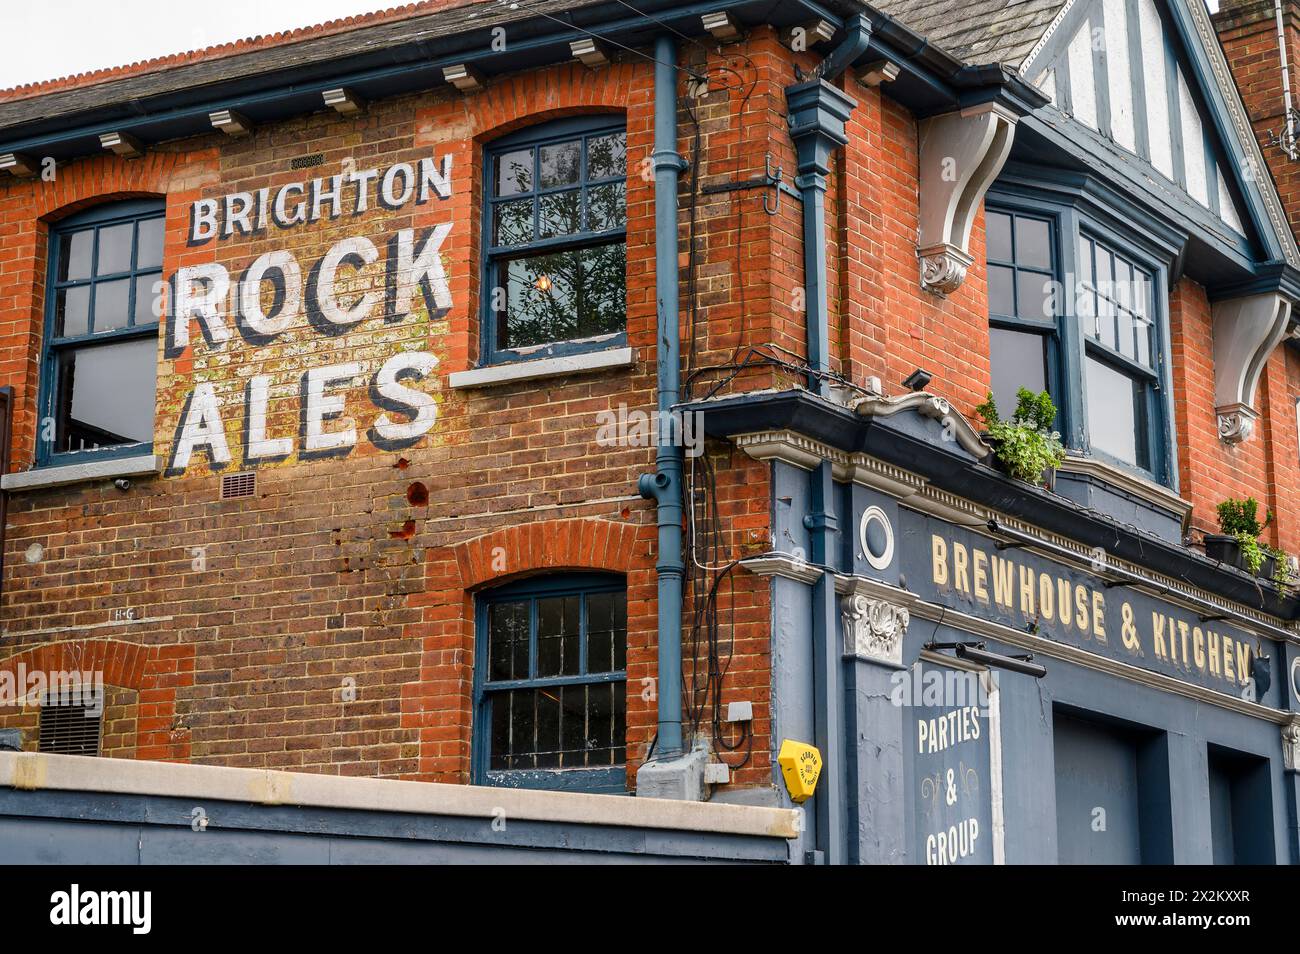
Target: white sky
(51, 38)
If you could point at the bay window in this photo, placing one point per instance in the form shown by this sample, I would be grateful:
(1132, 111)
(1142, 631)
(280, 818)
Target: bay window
(1116, 308)
(1023, 305)
(1079, 311)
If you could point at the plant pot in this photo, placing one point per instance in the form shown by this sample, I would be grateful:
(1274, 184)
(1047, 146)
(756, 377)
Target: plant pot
(1049, 479)
(1224, 549)
(1268, 567)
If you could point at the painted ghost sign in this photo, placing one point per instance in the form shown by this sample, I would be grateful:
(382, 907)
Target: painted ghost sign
(304, 312)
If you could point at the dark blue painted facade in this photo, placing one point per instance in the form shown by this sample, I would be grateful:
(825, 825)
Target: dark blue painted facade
(83, 828)
(1102, 711)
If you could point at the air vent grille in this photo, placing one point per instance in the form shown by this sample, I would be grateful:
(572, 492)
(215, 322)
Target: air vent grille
(306, 162)
(238, 485)
(69, 729)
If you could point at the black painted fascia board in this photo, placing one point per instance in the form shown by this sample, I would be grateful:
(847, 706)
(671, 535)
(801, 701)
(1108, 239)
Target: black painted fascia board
(960, 474)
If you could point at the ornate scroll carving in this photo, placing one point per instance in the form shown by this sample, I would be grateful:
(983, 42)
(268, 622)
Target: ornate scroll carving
(961, 154)
(874, 629)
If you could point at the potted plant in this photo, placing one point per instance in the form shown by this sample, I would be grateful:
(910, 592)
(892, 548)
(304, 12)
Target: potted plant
(1025, 447)
(1284, 572)
(1237, 544)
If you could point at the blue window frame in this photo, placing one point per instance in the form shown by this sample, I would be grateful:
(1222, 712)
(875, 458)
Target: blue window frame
(1116, 306)
(99, 361)
(1024, 306)
(550, 684)
(555, 240)
(1076, 309)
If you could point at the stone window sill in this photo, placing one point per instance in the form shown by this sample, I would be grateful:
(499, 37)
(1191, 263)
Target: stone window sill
(41, 477)
(509, 373)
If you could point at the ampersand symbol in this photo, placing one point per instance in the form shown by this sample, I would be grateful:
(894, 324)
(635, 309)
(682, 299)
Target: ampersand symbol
(1129, 628)
(951, 796)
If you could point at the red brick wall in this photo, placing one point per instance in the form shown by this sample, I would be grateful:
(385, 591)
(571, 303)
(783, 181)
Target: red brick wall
(1266, 466)
(1209, 469)
(141, 683)
(327, 623)
(894, 326)
(328, 620)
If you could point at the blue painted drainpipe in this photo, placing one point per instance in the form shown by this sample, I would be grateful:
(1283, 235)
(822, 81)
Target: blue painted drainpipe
(664, 486)
(818, 112)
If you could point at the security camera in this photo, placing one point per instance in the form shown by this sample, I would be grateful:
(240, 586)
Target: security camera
(122, 484)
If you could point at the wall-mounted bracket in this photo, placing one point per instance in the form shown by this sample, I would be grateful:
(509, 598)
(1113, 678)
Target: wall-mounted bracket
(771, 179)
(18, 164)
(1246, 330)
(961, 154)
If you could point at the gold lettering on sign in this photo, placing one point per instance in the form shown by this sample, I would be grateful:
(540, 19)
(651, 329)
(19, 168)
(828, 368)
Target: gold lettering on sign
(1128, 629)
(1158, 634)
(1081, 608)
(1243, 662)
(980, 573)
(1027, 592)
(959, 576)
(1004, 582)
(1099, 615)
(939, 559)
(1063, 607)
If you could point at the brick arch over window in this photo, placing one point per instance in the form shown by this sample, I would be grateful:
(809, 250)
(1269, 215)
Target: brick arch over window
(547, 545)
(460, 125)
(565, 90)
(154, 672)
(34, 205)
(438, 708)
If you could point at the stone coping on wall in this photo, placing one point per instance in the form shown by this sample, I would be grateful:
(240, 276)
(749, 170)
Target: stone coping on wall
(32, 771)
(512, 371)
(114, 467)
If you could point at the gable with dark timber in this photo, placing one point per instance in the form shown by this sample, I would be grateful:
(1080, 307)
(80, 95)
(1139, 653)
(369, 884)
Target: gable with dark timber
(1135, 95)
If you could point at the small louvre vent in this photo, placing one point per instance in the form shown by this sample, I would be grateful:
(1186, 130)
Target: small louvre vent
(69, 728)
(306, 162)
(238, 485)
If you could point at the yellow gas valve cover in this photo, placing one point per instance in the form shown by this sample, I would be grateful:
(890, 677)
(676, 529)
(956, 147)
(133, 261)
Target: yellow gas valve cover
(801, 766)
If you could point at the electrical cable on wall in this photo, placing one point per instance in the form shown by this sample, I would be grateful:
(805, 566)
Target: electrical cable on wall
(710, 568)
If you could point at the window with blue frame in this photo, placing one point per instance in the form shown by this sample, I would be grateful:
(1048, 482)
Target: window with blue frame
(1116, 308)
(1076, 311)
(99, 365)
(555, 247)
(551, 684)
(1022, 305)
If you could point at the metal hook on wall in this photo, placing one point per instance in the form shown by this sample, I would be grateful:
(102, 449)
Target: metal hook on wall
(773, 179)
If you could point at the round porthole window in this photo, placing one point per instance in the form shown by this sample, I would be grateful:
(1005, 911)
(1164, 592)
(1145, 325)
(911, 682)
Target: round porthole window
(1295, 677)
(876, 536)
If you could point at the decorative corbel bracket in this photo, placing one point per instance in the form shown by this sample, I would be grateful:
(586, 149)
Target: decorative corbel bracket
(955, 426)
(1291, 745)
(1246, 330)
(961, 153)
(874, 629)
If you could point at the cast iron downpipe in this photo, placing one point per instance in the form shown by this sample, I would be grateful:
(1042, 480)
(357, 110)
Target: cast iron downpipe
(664, 486)
(818, 112)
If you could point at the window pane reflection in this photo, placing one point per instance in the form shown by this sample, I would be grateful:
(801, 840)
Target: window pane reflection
(106, 395)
